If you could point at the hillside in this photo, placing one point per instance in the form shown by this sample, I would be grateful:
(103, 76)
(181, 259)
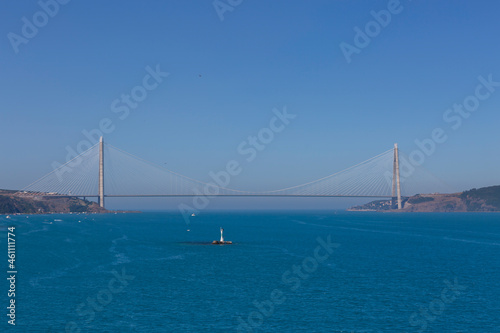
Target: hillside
(486, 199)
(479, 199)
(12, 202)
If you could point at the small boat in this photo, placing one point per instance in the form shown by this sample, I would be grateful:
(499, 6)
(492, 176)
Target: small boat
(193, 214)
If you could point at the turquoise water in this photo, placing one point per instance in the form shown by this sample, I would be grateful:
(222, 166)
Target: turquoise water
(285, 272)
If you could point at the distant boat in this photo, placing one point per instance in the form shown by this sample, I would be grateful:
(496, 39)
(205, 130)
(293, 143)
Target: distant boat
(193, 214)
(7, 217)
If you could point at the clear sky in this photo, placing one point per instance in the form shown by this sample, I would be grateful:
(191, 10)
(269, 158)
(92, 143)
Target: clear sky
(226, 76)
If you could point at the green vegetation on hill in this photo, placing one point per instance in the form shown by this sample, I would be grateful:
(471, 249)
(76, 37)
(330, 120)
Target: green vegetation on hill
(11, 202)
(9, 205)
(8, 191)
(475, 198)
(486, 199)
(419, 199)
(375, 205)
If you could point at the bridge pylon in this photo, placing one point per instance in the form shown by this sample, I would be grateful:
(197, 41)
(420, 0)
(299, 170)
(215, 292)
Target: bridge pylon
(396, 184)
(101, 173)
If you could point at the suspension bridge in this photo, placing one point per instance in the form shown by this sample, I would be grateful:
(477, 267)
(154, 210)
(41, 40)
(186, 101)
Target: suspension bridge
(104, 171)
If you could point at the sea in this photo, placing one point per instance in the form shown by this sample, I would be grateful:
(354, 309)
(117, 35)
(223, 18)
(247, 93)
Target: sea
(285, 271)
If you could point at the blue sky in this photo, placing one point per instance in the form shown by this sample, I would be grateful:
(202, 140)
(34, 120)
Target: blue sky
(225, 78)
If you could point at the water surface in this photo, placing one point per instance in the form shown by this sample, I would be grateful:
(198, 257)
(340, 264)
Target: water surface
(148, 273)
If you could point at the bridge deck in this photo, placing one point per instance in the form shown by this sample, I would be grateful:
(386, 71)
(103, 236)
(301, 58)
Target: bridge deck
(216, 195)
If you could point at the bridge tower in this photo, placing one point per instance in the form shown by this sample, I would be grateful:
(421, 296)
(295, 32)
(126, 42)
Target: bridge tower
(101, 173)
(396, 185)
